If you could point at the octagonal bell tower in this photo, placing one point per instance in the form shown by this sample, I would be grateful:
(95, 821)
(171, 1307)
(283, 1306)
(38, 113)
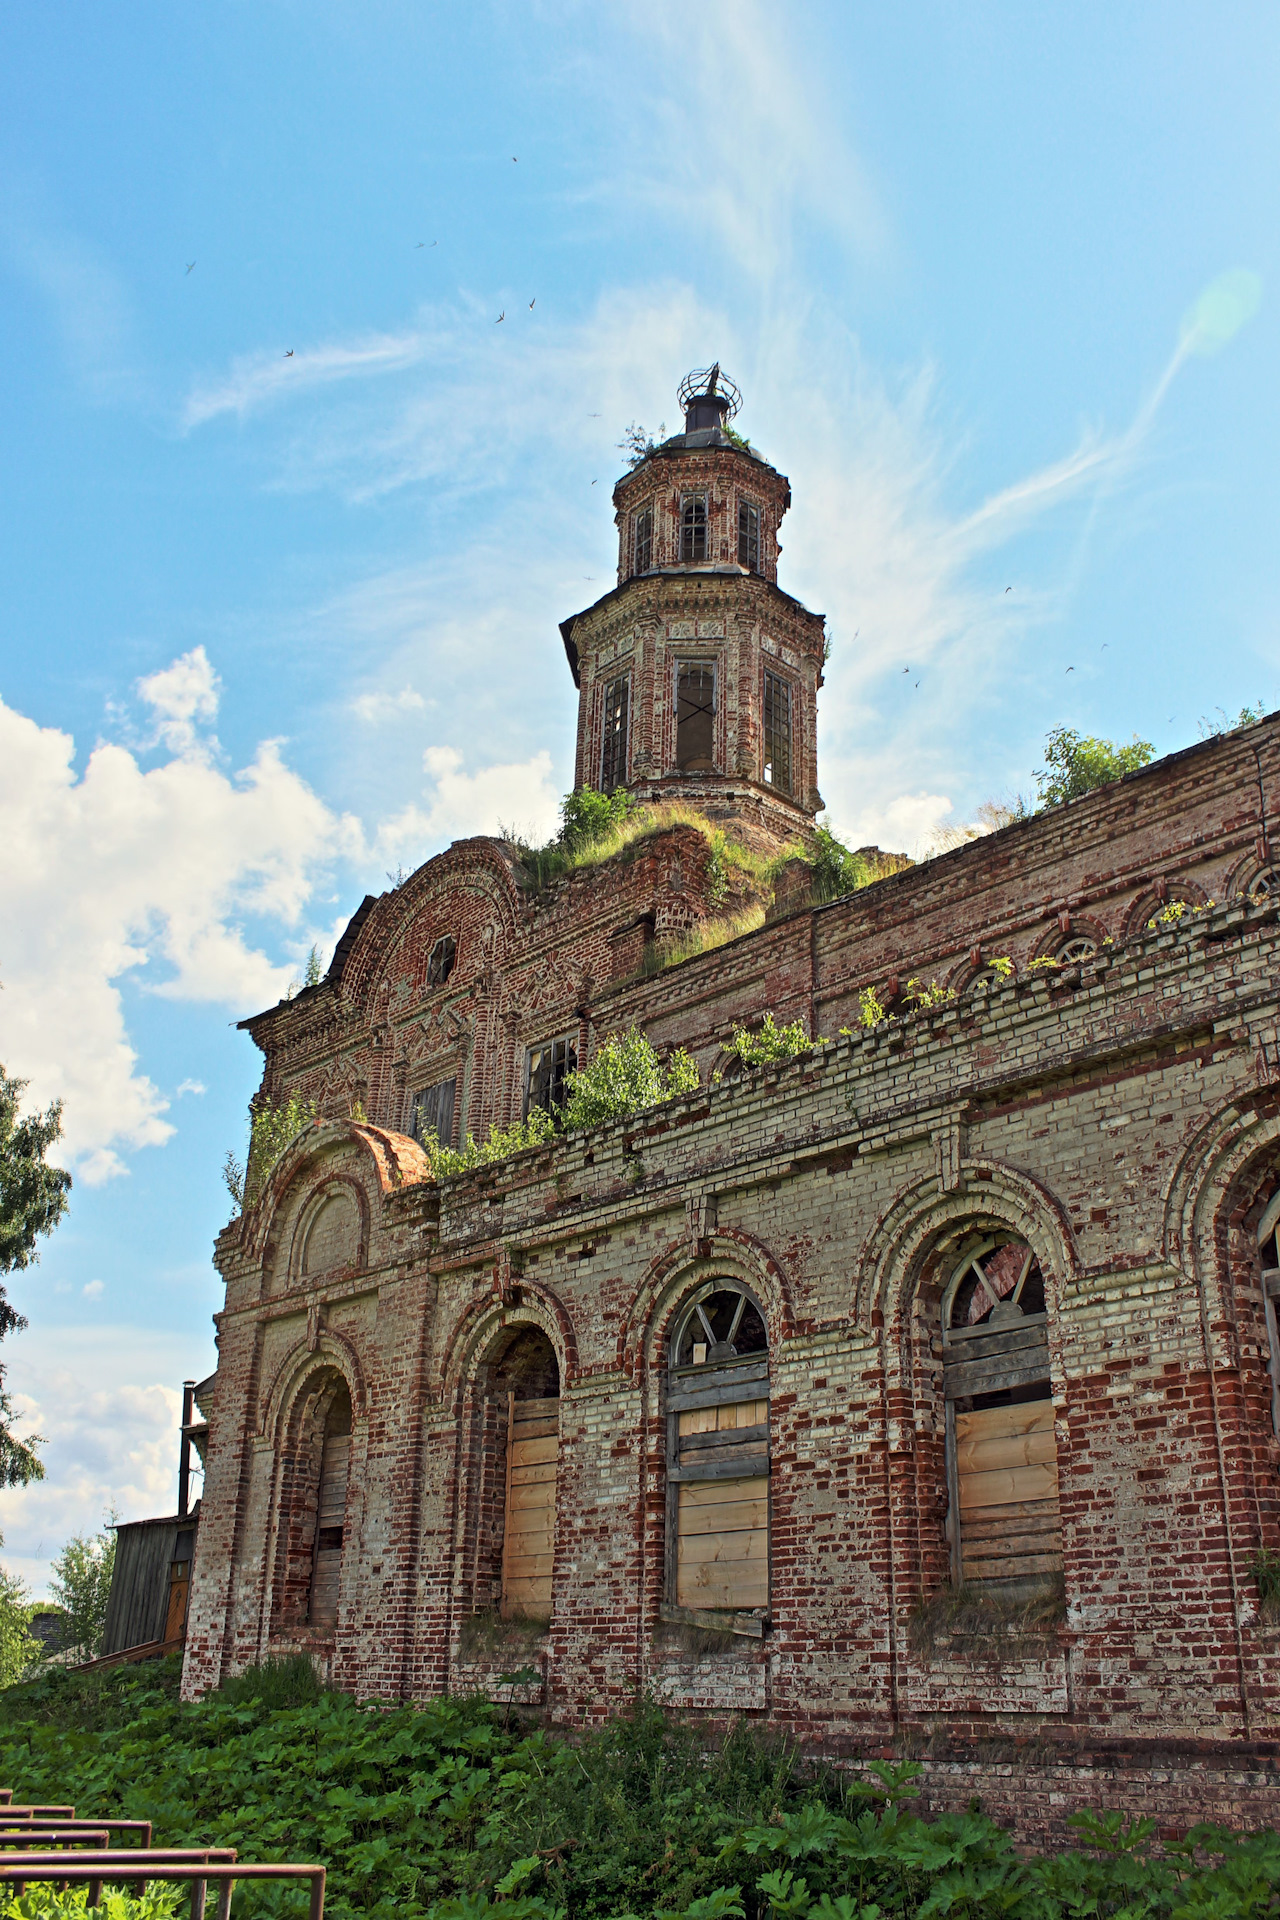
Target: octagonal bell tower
(698, 676)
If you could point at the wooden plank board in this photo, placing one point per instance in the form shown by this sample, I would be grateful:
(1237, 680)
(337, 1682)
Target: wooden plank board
(334, 1468)
(532, 1494)
(694, 1445)
(530, 1566)
(697, 1495)
(535, 1425)
(1005, 1485)
(738, 1516)
(980, 1343)
(1035, 1449)
(724, 1549)
(534, 1473)
(724, 1419)
(731, 1588)
(731, 1464)
(1016, 1567)
(993, 1376)
(1001, 1423)
(704, 1386)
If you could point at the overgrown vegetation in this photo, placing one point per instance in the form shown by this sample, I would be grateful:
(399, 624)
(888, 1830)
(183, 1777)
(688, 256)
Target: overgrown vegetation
(769, 1044)
(1264, 1569)
(445, 1813)
(501, 1143)
(625, 1076)
(33, 1199)
(1077, 763)
(704, 936)
(974, 1618)
(273, 1125)
(637, 443)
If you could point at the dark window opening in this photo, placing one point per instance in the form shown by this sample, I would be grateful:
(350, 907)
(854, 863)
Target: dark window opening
(613, 758)
(431, 1113)
(550, 1065)
(643, 544)
(695, 717)
(440, 962)
(693, 527)
(748, 536)
(777, 732)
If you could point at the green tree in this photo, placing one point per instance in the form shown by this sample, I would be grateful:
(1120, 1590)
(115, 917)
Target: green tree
(18, 1645)
(1076, 763)
(81, 1586)
(33, 1198)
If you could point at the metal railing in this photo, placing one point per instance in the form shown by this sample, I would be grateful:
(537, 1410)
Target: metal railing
(50, 1844)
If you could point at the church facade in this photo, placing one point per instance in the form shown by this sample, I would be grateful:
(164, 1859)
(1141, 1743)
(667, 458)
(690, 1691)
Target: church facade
(919, 1394)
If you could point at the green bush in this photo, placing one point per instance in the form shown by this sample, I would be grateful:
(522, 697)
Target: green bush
(626, 1076)
(771, 1043)
(41, 1901)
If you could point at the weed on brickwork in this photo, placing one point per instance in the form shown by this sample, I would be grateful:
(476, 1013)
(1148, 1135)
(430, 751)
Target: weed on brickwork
(443, 1813)
(979, 1623)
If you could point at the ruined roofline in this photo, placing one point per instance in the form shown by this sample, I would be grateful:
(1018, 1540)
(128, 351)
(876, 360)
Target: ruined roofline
(702, 571)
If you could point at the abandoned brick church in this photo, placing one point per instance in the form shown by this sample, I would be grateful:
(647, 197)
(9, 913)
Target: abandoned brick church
(919, 1394)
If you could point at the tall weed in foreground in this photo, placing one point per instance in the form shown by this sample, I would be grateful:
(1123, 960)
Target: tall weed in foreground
(442, 1813)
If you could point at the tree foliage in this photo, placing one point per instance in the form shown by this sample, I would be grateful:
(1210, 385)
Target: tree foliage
(273, 1125)
(770, 1043)
(81, 1586)
(33, 1195)
(1077, 763)
(18, 1645)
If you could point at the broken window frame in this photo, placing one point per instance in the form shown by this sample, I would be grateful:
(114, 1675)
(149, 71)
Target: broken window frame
(1005, 1353)
(749, 535)
(442, 960)
(777, 707)
(695, 530)
(549, 1064)
(696, 698)
(1269, 1230)
(642, 541)
(615, 730)
(704, 1387)
(434, 1106)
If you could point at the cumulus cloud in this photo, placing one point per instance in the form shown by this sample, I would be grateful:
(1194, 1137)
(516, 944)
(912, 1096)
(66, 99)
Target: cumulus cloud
(181, 696)
(520, 798)
(92, 1290)
(120, 871)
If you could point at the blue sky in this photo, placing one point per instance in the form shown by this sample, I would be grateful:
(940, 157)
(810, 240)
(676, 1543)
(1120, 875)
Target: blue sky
(998, 285)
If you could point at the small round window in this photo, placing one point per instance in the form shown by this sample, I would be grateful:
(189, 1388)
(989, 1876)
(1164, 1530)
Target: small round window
(441, 961)
(996, 1284)
(723, 1326)
(1081, 946)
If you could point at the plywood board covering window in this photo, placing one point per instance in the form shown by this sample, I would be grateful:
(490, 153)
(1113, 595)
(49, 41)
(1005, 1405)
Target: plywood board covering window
(1007, 1479)
(1002, 1464)
(718, 1457)
(331, 1515)
(529, 1527)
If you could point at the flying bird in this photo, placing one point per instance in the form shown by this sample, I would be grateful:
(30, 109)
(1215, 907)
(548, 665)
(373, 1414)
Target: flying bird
(593, 416)
(1008, 589)
(514, 159)
(593, 483)
(532, 303)
(1105, 645)
(501, 317)
(289, 355)
(191, 266)
(1070, 669)
(422, 243)
(906, 669)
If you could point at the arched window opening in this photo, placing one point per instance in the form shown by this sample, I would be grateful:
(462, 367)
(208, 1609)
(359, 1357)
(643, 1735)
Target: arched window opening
(331, 1513)
(1002, 1463)
(1269, 1255)
(718, 1456)
(1077, 948)
(527, 1380)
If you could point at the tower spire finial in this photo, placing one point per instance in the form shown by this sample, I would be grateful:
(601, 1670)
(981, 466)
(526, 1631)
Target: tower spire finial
(709, 398)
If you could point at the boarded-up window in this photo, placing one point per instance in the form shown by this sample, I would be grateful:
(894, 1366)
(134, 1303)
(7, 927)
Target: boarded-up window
(613, 757)
(331, 1514)
(431, 1112)
(1002, 1461)
(528, 1538)
(695, 716)
(1269, 1252)
(718, 1456)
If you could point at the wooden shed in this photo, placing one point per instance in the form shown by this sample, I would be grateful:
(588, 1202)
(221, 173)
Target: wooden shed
(150, 1582)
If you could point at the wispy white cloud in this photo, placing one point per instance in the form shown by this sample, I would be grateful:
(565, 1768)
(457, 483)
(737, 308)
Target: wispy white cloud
(256, 379)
